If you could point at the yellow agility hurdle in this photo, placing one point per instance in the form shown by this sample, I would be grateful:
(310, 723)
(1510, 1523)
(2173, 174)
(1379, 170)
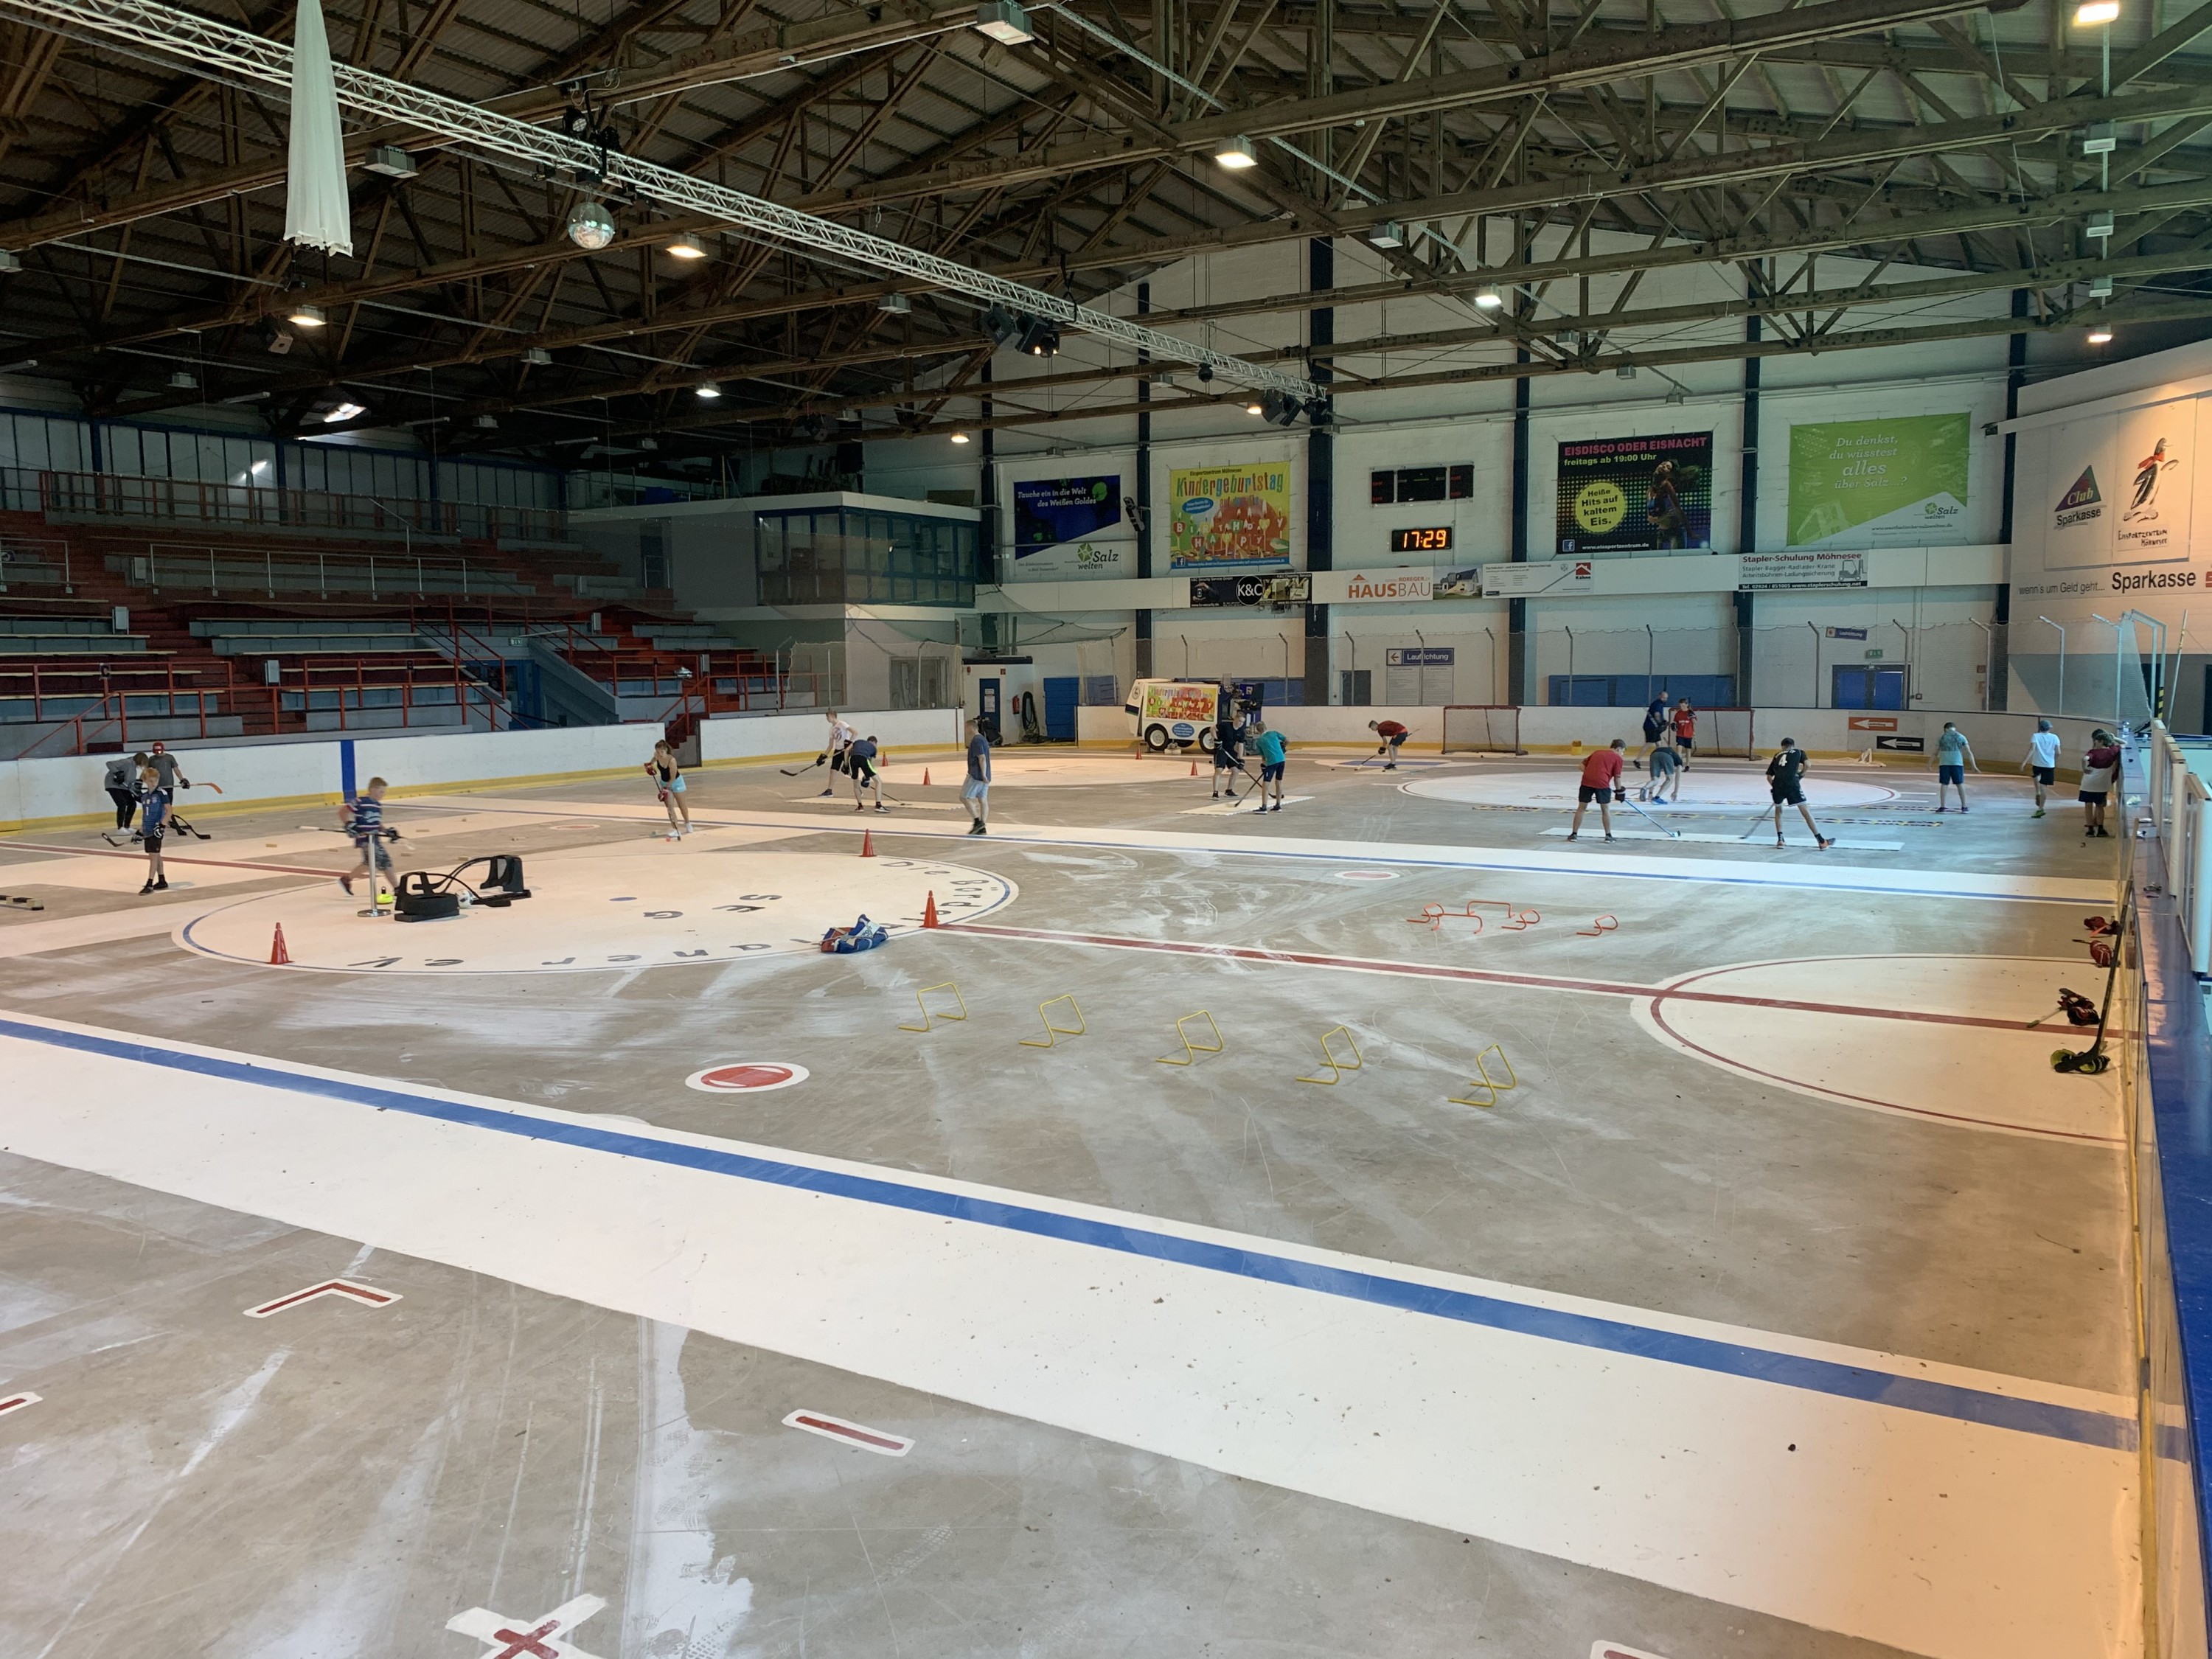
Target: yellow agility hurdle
(1337, 1067)
(1485, 1081)
(1053, 1033)
(927, 1018)
(1191, 1050)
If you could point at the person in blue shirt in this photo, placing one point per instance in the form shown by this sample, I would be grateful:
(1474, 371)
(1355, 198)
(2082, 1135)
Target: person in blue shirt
(363, 818)
(861, 767)
(1656, 723)
(1271, 750)
(1953, 755)
(152, 825)
(977, 791)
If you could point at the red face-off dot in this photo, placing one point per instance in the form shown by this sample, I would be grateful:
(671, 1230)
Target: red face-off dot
(747, 1076)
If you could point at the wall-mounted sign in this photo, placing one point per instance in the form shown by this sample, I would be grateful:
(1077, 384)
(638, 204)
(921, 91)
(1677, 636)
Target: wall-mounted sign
(1397, 585)
(1903, 745)
(1057, 528)
(1758, 571)
(1874, 653)
(1879, 483)
(1873, 722)
(1847, 633)
(1465, 584)
(1436, 539)
(1555, 576)
(1420, 656)
(1635, 495)
(1285, 587)
(1225, 516)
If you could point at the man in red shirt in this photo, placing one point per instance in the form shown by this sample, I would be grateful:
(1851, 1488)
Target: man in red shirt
(1600, 783)
(1685, 730)
(1392, 735)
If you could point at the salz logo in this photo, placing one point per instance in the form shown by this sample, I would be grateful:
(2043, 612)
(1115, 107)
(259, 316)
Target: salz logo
(2080, 504)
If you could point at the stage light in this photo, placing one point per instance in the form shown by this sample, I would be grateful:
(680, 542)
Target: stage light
(1237, 154)
(707, 392)
(1487, 297)
(2090, 12)
(959, 437)
(306, 317)
(687, 247)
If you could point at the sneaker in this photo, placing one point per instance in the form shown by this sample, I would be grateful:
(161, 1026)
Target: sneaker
(1277, 807)
(346, 882)
(1608, 838)
(162, 885)
(1574, 835)
(1779, 842)
(147, 889)
(2037, 813)
(976, 828)
(1391, 768)
(858, 807)
(880, 807)
(1945, 809)
(825, 794)
(1825, 842)
(1965, 809)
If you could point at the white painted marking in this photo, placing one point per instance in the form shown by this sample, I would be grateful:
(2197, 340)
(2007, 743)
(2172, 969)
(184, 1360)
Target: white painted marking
(608, 910)
(368, 1295)
(747, 1076)
(1972, 1077)
(1367, 875)
(541, 1637)
(1593, 828)
(1938, 1535)
(1616, 1650)
(73, 933)
(1054, 767)
(1239, 807)
(1824, 878)
(849, 1434)
(1554, 785)
(15, 1402)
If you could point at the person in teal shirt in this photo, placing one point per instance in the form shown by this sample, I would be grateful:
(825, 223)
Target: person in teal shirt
(1953, 755)
(1272, 752)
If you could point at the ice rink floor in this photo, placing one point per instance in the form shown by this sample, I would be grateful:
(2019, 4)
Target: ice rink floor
(1670, 1247)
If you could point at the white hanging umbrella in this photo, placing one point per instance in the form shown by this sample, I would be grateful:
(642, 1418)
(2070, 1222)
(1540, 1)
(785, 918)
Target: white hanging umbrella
(318, 212)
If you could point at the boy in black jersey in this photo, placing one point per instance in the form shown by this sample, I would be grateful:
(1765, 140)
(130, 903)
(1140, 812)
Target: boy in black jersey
(1786, 780)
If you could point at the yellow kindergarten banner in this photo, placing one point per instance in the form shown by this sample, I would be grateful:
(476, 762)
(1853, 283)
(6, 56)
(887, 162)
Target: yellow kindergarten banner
(1229, 517)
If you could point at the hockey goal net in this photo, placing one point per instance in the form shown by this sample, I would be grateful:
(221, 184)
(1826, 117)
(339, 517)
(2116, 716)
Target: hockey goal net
(1727, 731)
(1482, 728)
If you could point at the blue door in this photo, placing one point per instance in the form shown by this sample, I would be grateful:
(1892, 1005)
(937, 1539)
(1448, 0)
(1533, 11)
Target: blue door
(1060, 699)
(1868, 688)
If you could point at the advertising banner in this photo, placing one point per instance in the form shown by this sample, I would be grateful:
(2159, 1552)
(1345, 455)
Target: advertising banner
(1059, 524)
(1757, 571)
(1554, 576)
(1879, 483)
(1635, 495)
(1284, 588)
(2116, 488)
(1420, 656)
(1388, 585)
(1226, 517)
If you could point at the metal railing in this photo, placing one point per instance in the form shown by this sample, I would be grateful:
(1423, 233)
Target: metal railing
(36, 562)
(214, 570)
(125, 496)
(2179, 800)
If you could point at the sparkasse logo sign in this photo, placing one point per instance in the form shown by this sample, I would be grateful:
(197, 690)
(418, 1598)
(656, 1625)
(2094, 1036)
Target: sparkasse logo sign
(2080, 504)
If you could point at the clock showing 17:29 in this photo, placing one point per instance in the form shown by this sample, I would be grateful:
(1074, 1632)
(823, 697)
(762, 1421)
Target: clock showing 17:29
(1437, 539)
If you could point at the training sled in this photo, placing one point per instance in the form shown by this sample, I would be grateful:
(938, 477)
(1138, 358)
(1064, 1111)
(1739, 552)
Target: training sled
(418, 895)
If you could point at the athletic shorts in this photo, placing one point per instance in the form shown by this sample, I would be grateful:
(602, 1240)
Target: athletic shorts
(862, 773)
(2094, 797)
(153, 837)
(2045, 775)
(1223, 759)
(1653, 734)
(1273, 771)
(1786, 794)
(1951, 775)
(975, 789)
(1397, 738)
(1600, 792)
(1685, 742)
(676, 785)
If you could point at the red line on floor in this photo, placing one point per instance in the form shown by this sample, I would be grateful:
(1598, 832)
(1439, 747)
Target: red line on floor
(1655, 994)
(166, 858)
(852, 1433)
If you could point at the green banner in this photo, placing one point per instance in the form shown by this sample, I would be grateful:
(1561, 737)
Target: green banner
(1879, 483)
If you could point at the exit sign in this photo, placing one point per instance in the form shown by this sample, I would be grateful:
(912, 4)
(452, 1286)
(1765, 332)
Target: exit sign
(1874, 656)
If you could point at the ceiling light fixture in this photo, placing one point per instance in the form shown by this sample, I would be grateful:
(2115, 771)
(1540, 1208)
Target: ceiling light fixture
(686, 246)
(1387, 234)
(2090, 12)
(591, 226)
(306, 317)
(392, 161)
(184, 379)
(2100, 334)
(1005, 22)
(1237, 154)
(709, 392)
(344, 412)
(537, 357)
(897, 305)
(1487, 297)
(1254, 407)
(959, 437)
(10, 263)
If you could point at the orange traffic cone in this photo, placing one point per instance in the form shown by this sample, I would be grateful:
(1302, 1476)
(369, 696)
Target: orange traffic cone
(868, 844)
(929, 912)
(924, 777)
(1193, 769)
(278, 956)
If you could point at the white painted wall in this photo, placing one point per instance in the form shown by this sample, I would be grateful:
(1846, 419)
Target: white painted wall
(68, 788)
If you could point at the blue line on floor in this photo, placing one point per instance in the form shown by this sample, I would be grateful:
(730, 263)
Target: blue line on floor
(2069, 1423)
